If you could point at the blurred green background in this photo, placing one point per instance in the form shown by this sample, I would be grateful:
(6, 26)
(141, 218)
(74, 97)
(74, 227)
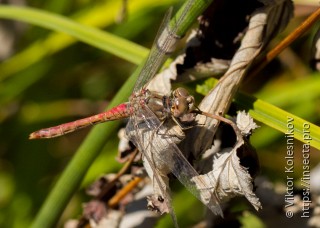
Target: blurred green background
(57, 79)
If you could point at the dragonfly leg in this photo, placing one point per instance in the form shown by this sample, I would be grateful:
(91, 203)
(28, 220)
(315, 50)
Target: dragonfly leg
(180, 125)
(223, 119)
(179, 135)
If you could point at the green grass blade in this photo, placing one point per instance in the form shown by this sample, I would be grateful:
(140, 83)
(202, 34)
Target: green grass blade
(273, 116)
(193, 10)
(105, 41)
(278, 118)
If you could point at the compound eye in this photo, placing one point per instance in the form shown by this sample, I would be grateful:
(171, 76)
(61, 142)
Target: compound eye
(181, 92)
(190, 100)
(180, 107)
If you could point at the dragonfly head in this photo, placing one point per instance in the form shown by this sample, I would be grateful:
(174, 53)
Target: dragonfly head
(183, 102)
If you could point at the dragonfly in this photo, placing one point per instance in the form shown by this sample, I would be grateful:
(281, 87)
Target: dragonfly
(155, 127)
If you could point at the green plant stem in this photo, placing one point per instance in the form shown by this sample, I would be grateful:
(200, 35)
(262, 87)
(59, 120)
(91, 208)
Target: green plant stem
(193, 10)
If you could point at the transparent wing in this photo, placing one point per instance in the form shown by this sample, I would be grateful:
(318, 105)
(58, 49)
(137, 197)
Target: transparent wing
(159, 144)
(164, 44)
(139, 133)
(154, 140)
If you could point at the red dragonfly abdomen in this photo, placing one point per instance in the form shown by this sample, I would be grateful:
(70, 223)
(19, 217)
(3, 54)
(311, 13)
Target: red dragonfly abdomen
(119, 112)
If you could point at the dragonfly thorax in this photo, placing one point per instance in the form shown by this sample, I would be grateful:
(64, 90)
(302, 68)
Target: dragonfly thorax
(177, 106)
(160, 105)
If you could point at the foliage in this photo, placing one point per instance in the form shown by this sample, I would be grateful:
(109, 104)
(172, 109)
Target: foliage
(52, 78)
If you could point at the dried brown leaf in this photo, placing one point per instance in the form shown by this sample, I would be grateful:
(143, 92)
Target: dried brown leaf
(156, 203)
(94, 210)
(245, 123)
(264, 24)
(229, 177)
(111, 220)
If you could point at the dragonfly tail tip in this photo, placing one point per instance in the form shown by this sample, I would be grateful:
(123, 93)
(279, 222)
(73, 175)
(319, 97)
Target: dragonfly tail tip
(33, 136)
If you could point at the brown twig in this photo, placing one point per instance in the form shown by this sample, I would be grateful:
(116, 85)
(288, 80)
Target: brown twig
(119, 174)
(223, 119)
(124, 191)
(117, 197)
(306, 25)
